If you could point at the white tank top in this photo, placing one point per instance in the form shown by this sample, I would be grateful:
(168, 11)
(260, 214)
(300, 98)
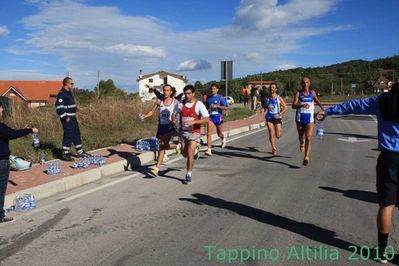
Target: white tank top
(165, 112)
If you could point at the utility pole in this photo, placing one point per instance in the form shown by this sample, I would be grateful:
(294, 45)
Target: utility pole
(98, 84)
(342, 86)
(226, 79)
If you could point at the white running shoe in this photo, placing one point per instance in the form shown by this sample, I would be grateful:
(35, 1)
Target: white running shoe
(224, 142)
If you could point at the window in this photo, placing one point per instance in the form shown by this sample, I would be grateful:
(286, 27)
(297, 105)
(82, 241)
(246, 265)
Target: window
(150, 80)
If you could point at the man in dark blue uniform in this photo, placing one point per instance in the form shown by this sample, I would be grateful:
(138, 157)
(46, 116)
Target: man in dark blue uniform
(66, 110)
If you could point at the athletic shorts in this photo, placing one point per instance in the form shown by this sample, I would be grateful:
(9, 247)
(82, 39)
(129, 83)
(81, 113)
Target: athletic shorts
(388, 179)
(217, 120)
(275, 121)
(191, 136)
(304, 119)
(165, 129)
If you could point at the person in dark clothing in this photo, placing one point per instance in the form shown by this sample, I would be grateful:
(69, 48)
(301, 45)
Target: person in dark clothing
(66, 110)
(7, 134)
(263, 97)
(161, 97)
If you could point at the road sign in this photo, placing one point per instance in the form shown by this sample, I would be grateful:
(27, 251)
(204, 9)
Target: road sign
(353, 86)
(226, 70)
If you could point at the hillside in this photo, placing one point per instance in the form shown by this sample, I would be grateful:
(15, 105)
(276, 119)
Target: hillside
(325, 77)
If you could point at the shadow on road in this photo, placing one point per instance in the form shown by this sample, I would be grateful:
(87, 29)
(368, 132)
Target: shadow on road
(308, 230)
(250, 156)
(131, 158)
(366, 196)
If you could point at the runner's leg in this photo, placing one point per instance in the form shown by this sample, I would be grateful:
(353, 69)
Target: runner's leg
(270, 128)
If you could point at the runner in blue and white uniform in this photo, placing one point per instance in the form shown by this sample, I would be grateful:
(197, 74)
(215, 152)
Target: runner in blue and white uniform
(304, 103)
(215, 104)
(274, 115)
(165, 127)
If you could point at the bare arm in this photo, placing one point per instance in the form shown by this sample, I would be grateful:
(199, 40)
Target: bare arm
(154, 108)
(296, 104)
(316, 99)
(284, 106)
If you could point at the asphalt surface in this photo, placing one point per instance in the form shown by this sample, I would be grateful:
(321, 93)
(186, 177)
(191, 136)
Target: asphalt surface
(242, 203)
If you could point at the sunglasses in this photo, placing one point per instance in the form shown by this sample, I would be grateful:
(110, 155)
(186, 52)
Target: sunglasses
(72, 83)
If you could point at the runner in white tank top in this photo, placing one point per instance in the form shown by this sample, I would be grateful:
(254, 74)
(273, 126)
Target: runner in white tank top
(165, 127)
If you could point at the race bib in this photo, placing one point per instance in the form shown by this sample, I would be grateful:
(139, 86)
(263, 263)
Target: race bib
(184, 120)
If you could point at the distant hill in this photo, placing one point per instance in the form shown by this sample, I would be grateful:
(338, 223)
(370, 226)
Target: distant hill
(323, 78)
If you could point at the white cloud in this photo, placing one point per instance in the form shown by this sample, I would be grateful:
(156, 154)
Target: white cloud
(270, 15)
(194, 65)
(90, 38)
(3, 30)
(285, 67)
(136, 50)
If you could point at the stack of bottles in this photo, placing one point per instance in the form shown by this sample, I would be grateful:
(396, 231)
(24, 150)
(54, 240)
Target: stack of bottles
(150, 144)
(95, 160)
(23, 202)
(53, 168)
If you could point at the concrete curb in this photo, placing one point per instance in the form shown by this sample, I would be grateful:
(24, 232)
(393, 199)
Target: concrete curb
(70, 182)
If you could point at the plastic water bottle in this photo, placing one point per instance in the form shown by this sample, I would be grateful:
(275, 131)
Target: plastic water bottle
(319, 129)
(154, 144)
(177, 122)
(24, 202)
(42, 159)
(35, 140)
(141, 117)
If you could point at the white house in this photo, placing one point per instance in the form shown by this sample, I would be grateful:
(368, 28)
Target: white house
(157, 80)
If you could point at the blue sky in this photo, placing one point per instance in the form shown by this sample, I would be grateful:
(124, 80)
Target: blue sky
(43, 39)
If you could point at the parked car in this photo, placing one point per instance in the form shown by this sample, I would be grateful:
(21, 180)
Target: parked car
(230, 100)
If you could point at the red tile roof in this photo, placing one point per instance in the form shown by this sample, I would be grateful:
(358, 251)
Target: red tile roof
(32, 90)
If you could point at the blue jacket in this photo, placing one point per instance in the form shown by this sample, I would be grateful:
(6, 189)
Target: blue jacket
(65, 104)
(388, 132)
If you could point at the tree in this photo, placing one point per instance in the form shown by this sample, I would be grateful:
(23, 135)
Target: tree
(108, 88)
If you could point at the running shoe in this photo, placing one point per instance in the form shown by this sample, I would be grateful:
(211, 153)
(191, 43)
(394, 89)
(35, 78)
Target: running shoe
(187, 179)
(178, 151)
(153, 172)
(274, 151)
(197, 152)
(224, 142)
(165, 158)
(208, 152)
(6, 220)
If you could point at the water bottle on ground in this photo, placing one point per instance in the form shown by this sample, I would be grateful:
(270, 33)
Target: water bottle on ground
(35, 140)
(24, 202)
(154, 144)
(42, 159)
(319, 129)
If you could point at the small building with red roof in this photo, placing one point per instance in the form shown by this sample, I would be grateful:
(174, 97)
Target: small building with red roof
(34, 93)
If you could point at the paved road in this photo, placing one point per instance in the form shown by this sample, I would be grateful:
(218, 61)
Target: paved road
(242, 199)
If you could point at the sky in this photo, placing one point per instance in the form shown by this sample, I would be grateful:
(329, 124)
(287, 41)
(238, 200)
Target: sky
(46, 39)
